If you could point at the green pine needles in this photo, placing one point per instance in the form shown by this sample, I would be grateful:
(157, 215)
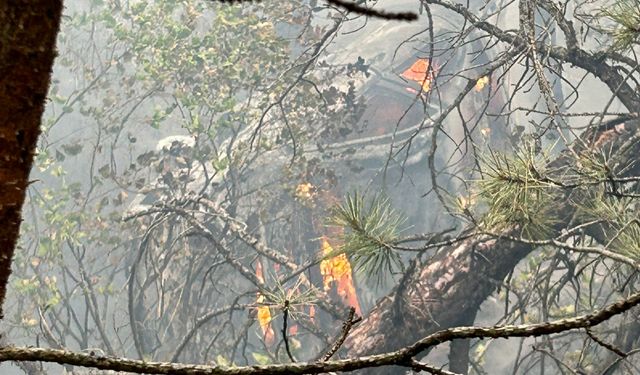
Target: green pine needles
(516, 192)
(626, 16)
(293, 297)
(371, 227)
(619, 221)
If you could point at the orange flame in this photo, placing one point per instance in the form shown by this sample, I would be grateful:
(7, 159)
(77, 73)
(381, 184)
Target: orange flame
(481, 83)
(264, 314)
(420, 72)
(337, 270)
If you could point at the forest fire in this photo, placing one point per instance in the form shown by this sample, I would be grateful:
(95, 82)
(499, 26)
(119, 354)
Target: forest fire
(201, 187)
(337, 270)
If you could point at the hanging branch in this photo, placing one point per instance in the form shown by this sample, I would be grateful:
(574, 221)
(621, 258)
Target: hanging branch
(357, 9)
(605, 345)
(346, 328)
(382, 14)
(285, 320)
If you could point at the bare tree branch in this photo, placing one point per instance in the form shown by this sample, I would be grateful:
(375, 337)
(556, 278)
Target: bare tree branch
(355, 7)
(403, 357)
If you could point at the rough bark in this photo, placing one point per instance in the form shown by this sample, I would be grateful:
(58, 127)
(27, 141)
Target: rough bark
(439, 294)
(450, 287)
(28, 30)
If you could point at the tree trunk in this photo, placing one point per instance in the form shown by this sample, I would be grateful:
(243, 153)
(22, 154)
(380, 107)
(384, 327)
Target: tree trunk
(441, 293)
(459, 351)
(446, 290)
(28, 30)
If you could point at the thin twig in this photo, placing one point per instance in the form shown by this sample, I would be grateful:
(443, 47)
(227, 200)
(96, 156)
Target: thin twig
(346, 328)
(606, 345)
(285, 320)
(419, 366)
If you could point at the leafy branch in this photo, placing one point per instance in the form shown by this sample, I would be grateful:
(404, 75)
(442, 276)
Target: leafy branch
(620, 225)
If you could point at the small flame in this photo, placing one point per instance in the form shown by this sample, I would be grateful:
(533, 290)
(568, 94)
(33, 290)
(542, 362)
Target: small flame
(337, 270)
(420, 72)
(264, 314)
(304, 191)
(481, 83)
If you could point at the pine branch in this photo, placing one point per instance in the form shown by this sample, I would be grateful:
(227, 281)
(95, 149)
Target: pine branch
(625, 14)
(370, 230)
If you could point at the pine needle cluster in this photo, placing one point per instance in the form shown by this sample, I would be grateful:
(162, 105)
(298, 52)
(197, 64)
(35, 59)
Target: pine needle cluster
(620, 222)
(295, 297)
(515, 192)
(370, 227)
(625, 14)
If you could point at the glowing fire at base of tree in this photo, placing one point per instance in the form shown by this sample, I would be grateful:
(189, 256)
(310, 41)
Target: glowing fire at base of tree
(337, 270)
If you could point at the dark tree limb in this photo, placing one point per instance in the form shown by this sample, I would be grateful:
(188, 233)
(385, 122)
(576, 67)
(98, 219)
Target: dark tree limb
(382, 14)
(285, 321)
(356, 8)
(459, 352)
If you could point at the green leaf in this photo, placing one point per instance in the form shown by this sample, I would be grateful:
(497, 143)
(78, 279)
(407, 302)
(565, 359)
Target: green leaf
(262, 359)
(222, 361)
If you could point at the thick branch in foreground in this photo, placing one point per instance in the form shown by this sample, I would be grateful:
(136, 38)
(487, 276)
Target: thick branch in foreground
(403, 357)
(28, 30)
